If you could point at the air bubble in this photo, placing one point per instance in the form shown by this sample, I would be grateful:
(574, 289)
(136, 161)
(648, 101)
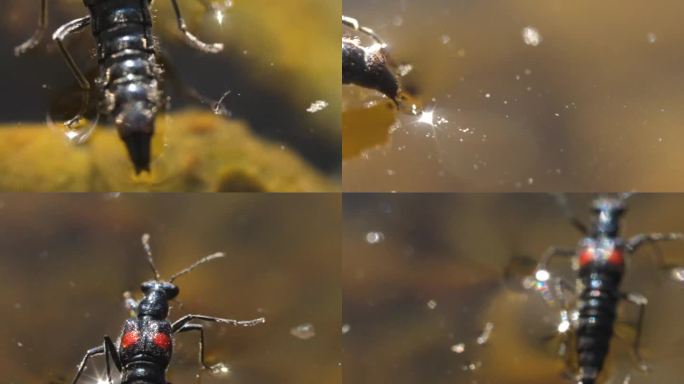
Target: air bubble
(303, 331)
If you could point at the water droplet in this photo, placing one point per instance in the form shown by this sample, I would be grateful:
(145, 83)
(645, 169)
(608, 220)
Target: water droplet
(542, 275)
(375, 237)
(677, 274)
(531, 36)
(458, 348)
(220, 370)
(303, 331)
(486, 332)
(317, 105)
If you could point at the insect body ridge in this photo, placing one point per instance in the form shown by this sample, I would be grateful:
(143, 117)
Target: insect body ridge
(601, 259)
(130, 77)
(598, 300)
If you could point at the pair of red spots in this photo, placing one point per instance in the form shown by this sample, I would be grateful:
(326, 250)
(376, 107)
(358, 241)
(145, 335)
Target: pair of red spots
(588, 256)
(161, 340)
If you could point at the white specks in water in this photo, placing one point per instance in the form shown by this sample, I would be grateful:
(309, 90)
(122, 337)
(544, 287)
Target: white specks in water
(446, 39)
(220, 370)
(20, 344)
(677, 274)
(627, 379)
(304, 331)
(458, 348)
(375, 237)
(432, 304)
(531, 36)
(473, 366)
(488, 95)
(542, 275)
(317, 105)
(486, 333)
(651, 38)
(530, 181)
(346, 328)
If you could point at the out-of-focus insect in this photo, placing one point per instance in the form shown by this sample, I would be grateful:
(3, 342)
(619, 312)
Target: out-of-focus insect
(368, 66)
(146, 342)
(590, 305)
(130, 77)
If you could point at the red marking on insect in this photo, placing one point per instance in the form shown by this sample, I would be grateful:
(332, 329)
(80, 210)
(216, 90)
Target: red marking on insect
(586, 256)
(129, 339)
(616, 258)
(162, 340)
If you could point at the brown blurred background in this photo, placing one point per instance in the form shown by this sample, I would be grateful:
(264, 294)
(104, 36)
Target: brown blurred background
(423, 274)
(65, 261)
(595, 106)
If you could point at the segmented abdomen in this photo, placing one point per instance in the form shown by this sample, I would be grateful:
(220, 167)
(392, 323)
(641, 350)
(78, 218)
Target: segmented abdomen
(130, 77)
(597, 306)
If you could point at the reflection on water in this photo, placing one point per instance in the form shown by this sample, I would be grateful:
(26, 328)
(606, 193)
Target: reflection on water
(555, 95)
(65, 262)
(433, 290)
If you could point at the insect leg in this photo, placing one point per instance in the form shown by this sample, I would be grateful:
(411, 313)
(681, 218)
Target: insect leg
(178, 324)
(91, 352)
(640, 301)
(638, 240)
(196, 327)
(38, 34)
(553, 252)
(110, 351)
(562, 200)
(354, 24)
(191, 39)
(60, 34)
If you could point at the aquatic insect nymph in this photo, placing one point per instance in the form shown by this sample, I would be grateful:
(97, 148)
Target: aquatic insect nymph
(146, 342)
(130, 77)
(368, 67)
(600, 257)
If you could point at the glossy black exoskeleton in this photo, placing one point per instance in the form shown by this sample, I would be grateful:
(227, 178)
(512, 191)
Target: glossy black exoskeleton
(130, 77)
(143, 351)
(368, 67)
(600, 257)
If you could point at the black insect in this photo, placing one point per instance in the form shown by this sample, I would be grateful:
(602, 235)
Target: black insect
(600, 257)
(146, 342)
(368, 67)
(130, 77)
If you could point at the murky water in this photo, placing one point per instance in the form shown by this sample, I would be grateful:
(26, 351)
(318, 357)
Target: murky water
(275, 68)
(433, 293)
(65, 262)
(526, 95)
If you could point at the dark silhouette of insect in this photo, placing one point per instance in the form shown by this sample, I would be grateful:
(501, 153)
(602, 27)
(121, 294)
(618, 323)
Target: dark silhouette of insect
(368, 67)
(600, 256)
(130, 77)
(146, 342)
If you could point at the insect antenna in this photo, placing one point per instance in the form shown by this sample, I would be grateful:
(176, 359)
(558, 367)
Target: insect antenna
(148, 251)
(201, 261)
(562, 201)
